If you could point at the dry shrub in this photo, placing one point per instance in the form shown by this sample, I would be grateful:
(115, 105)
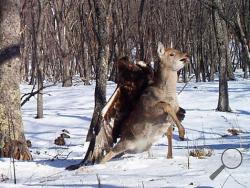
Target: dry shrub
(201, 153)
(59, 141)
(65, 131)
(64, 135)
(17, 149)
(4, 178)
(234, 131)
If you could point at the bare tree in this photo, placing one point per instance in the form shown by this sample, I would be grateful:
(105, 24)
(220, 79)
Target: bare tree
(12, 139)
(222, 45)
(102, 10)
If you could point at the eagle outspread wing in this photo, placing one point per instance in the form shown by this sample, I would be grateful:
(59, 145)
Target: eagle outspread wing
(132, 79)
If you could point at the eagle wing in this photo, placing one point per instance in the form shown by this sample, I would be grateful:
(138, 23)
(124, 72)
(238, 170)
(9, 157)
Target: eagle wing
(132, 79)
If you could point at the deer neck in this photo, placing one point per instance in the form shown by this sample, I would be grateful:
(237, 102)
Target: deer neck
(166, 80)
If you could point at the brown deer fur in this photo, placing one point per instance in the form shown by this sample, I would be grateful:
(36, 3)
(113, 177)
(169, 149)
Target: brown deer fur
(132, 81)
(156, 109)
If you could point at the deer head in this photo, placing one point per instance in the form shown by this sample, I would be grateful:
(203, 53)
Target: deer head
(170, 58)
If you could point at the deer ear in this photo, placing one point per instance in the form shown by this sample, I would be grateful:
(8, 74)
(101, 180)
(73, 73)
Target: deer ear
(161, 49)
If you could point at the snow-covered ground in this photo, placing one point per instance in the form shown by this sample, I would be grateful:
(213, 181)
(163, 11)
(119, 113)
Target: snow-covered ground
(71, 109)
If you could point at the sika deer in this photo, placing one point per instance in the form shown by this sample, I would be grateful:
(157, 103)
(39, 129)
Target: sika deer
(156, 109)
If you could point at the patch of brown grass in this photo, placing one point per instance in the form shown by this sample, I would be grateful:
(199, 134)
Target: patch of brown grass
(3, 178)
(234, 131)
(201, 153)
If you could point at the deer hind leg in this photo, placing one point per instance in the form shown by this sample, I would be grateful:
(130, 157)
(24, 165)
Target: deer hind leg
(169, 138)
(117, 150)
(168, 109)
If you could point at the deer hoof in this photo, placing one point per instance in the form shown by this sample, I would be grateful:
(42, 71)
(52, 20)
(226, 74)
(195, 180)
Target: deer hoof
(181, 138)
(182, 134)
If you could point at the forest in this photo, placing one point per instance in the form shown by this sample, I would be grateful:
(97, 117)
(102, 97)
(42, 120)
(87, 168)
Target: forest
(51, 46)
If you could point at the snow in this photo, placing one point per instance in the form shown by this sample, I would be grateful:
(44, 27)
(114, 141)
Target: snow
(71, 109)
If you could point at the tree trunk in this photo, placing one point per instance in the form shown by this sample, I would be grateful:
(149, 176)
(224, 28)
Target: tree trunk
(245, 48)
(12, 140)
(220, 30)
(36, 54)
(140, 31)
(102, 10)
(87, 65)
(67, 78)
(40, 93)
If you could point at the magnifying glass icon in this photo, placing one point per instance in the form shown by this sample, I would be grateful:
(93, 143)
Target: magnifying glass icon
(231, 158)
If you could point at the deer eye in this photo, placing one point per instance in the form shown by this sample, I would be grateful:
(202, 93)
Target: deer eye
(172, 54)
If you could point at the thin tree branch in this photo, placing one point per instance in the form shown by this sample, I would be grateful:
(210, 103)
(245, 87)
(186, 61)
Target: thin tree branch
(33, 93)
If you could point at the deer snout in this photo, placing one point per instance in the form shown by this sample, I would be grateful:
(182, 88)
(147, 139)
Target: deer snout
(185, 59)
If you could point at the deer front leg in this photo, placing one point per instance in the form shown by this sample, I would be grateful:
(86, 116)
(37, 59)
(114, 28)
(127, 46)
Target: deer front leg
(168, 109)
(170, 145)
